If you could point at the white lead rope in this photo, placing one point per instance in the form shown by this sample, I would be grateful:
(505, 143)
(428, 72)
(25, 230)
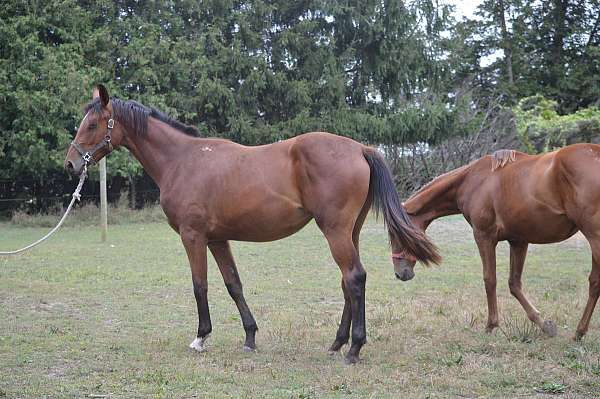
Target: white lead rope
(76, 197)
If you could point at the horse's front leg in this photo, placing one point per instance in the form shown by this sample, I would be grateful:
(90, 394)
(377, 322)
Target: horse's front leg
(222, 254)
(487, 251)
(594, 290)
(195, 245)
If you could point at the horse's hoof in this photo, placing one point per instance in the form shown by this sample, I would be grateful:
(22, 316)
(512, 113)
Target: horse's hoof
(578, 336)
(335, 347)
(199, 344)
(490, 328)
(549, 328)
(351, 359)
(249, 349)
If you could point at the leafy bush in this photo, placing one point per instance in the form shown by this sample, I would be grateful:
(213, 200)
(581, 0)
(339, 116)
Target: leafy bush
(541, 128)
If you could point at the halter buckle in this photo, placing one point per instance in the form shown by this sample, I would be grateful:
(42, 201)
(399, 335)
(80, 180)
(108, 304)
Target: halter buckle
(87, 157)
(111, 123)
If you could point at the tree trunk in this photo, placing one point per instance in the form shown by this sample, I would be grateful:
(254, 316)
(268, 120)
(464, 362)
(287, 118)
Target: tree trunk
(506, 42)
(560, 13)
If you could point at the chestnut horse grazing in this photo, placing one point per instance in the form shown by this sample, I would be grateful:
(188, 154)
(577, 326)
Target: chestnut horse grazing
(523, 199)
(214, 190)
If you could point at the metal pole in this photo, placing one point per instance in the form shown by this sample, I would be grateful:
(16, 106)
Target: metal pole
(103, 202)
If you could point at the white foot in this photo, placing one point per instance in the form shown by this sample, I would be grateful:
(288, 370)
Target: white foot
(199, 344)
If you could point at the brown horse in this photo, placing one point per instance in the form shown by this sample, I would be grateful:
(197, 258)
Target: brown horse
(522, 199)
(214, 190)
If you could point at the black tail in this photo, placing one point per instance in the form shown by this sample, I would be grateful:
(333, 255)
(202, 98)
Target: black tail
(387, 202)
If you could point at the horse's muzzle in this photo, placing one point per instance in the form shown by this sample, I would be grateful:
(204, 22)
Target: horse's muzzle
(74, 167)
(405, 274)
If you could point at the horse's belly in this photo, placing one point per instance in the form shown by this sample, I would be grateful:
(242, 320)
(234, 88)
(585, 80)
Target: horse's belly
(538, 228)
(262, 226)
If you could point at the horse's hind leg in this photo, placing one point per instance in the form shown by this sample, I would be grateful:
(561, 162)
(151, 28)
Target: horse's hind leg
(518, 252)
(354, 278)
(222, 254)
(343, 333)
(594, 290)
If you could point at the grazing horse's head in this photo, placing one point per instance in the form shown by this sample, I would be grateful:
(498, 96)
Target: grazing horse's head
(98, 134)
(404, 265)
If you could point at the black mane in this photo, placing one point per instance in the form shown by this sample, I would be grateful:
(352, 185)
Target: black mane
(135, 116)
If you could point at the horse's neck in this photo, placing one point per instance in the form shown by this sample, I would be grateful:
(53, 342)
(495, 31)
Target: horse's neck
(436, 199)
(158, 149)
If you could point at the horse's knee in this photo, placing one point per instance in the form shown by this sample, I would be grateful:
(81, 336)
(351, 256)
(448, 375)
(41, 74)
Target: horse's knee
(489, 282)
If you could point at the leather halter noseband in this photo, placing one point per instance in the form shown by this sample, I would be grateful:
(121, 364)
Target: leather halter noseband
(88, 156)
(403, 255)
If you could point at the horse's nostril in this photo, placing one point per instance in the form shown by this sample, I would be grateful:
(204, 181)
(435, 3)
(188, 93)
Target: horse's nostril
(398, 276)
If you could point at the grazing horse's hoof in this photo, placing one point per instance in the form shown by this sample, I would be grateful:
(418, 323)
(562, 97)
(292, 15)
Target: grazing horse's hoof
(490, 328)
(199, 344)
(249, 349)
(578, 336)
(549, 328)
(351, 359)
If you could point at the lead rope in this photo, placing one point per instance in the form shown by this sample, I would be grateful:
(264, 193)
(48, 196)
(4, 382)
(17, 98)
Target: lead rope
(76, 197)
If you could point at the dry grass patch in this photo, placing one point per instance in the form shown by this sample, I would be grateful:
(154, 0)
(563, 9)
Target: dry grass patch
(82, 318)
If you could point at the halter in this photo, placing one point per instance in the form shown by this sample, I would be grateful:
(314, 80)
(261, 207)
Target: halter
(88, 156)
(403, 255)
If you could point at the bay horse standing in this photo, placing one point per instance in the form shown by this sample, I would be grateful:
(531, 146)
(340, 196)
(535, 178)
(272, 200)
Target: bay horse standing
(519, 198)
(214, 190)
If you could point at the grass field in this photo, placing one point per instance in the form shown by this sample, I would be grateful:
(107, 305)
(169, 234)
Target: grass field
(83, 319)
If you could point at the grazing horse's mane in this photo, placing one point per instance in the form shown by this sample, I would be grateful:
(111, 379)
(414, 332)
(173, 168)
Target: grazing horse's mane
(501, 158)
(454, 172)
(135, 115)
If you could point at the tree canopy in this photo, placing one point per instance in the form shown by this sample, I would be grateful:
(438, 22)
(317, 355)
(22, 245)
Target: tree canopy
(389, 72)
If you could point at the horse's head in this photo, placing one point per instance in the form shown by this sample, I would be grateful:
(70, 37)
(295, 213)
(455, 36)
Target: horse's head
(404, 265)
(98, 134)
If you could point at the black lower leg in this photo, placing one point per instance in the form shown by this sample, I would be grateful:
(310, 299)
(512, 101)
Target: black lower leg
(343, 332)
(356, 288)
(204, 324)
(236, 293)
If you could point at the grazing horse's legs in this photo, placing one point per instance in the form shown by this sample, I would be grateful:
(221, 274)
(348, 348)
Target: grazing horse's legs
(195, 246)
(487, 251)
(594, 290)
(343, 333)
(222, 254)
(518, 252)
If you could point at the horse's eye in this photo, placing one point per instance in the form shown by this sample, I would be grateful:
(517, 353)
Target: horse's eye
(92, 126)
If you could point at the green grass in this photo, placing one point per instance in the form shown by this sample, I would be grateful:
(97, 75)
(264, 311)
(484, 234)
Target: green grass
(80, 318)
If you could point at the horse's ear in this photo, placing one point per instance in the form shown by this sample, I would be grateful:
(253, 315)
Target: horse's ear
(100, 91)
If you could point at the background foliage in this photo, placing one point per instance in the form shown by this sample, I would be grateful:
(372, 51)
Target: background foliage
(406, 75)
